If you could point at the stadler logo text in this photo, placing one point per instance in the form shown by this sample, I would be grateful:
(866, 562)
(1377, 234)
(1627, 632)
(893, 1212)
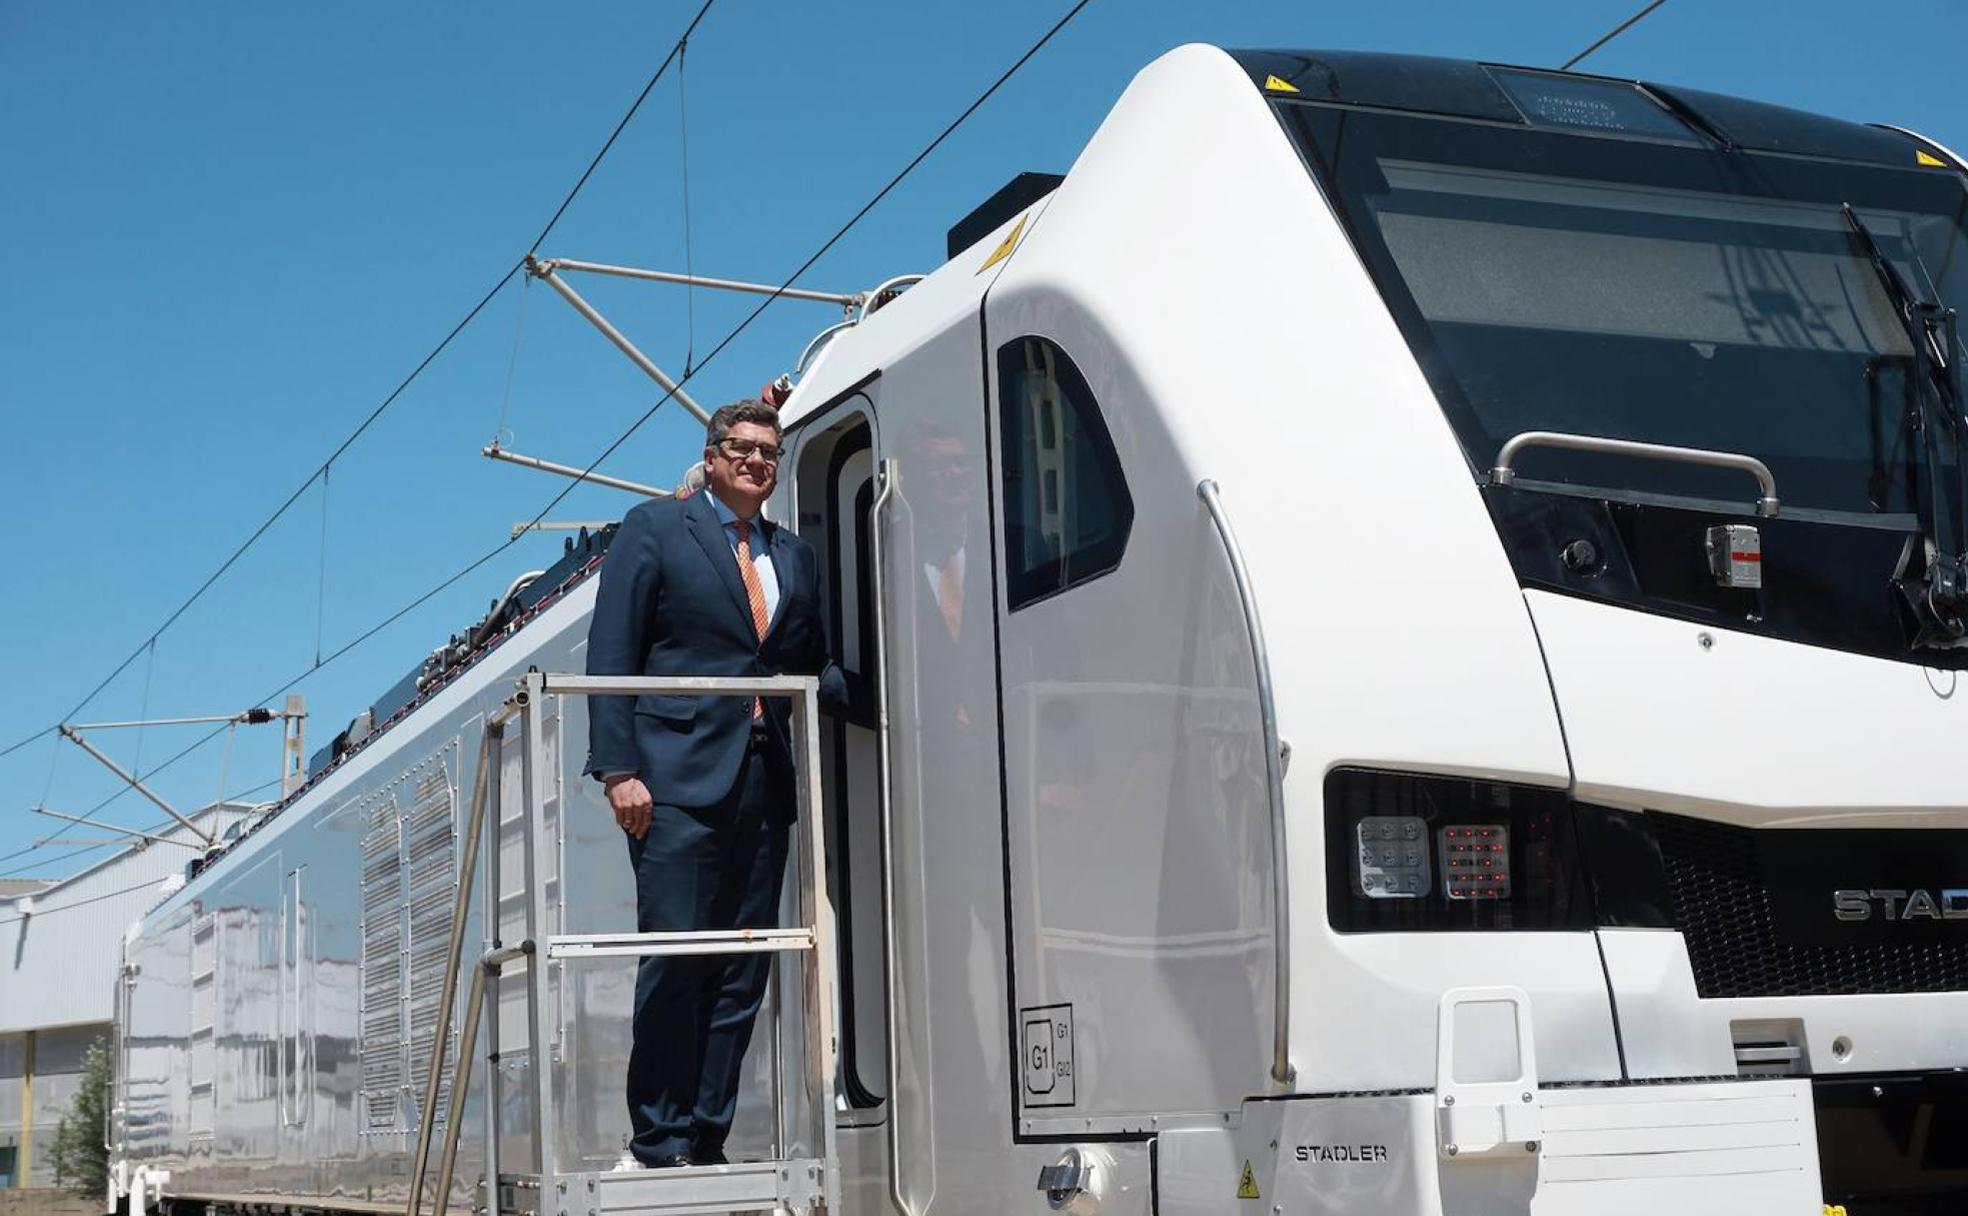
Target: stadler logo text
(1341, 1152)
(1895, 904)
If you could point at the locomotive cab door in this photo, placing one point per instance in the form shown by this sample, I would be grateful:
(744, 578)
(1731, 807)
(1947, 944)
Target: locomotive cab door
(834, 488)
(1136, 809)
(898, 469)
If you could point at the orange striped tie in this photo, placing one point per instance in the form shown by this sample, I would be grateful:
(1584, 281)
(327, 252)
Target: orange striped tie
(949, 596)
(754, 595)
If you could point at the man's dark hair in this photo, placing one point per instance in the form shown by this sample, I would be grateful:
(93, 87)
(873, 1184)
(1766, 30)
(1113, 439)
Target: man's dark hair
(749, 409)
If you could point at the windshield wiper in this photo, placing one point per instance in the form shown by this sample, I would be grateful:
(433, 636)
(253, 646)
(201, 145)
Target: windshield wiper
(1933, 570)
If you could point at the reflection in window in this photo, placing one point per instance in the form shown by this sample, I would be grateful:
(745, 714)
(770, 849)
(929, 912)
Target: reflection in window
(1067, 509)
(1669, 294)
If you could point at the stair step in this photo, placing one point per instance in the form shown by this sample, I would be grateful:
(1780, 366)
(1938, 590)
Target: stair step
(708, 941)
(697, 1190)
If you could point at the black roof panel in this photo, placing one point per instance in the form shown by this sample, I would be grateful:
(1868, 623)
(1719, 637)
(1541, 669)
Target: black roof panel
(1767, 128)
(1397, 82)
(1464, 88)
(1012, 197)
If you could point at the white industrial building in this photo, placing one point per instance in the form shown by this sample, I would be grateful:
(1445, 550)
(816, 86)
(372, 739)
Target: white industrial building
(60, 949)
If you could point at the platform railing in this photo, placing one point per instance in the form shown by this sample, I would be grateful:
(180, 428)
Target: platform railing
(810, 1183)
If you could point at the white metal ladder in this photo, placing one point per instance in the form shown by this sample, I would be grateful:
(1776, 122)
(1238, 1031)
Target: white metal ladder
(795, 1184)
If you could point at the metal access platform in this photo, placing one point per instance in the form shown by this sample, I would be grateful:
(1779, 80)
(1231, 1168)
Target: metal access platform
(807, 1181)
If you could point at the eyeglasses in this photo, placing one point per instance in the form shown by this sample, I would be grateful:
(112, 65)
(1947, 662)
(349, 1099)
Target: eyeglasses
(744, 449)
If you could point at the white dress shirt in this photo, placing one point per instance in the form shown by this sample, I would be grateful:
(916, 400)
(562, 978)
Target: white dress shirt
(761, 553)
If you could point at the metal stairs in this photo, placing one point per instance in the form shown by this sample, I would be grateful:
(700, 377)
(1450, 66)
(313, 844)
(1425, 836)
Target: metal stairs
(785, 1183)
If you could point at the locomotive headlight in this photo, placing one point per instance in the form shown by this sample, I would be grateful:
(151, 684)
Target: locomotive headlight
(1476, 860)
(1407, 852)
(1394, 861)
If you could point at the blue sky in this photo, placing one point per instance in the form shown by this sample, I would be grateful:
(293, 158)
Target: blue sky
(234, 228)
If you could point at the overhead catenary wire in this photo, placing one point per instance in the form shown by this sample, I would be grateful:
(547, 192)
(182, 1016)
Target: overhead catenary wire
(830, 242)
(228, 724)
(744, 324)
(1615, 32)
(250, 790)
(54, 763)
(11, 748)
(104, 804)
(321, 574)
(152, 883)
(730, 337)
(676, 49)
(321, 471)
(81, 903)
(294, 497)
(232, 736)
(689, 266)
(100, 807)
(512, 360)
(395, 394)
(143, 709)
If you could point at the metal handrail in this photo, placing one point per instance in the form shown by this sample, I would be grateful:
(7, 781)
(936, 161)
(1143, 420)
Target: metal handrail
(885, 790)
(871, 300)
(812, 937)
(694, 686)
(819, 341)
(1274, 774)
(489, 966)
(1504, 472)
(673, 943)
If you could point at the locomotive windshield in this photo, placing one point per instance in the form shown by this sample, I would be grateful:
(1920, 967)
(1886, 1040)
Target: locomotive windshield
(1663, 290)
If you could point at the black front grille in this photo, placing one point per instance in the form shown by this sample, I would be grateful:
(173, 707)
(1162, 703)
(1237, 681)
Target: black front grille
(1721, 900)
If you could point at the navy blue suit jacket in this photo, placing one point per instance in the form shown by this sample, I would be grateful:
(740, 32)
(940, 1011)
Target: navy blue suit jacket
(672, 602)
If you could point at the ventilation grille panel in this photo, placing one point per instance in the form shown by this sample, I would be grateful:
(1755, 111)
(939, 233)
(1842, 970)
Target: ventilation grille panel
(1721, 900)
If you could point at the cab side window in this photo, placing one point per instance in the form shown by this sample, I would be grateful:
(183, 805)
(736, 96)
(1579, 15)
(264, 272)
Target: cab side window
(1067, 510)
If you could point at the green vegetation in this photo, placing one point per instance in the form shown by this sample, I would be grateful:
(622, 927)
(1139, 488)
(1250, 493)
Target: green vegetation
(81, 1157)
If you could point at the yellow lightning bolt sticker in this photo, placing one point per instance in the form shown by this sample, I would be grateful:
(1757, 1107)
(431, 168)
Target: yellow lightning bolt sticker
(1273, 84)
(1922, 157)
(1005, 246)
(1247, 1185)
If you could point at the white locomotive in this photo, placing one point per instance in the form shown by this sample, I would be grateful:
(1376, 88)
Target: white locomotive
(1420, 611)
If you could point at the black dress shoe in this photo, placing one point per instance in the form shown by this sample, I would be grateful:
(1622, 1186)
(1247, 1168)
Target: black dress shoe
(709, 1156)
(673, 1161)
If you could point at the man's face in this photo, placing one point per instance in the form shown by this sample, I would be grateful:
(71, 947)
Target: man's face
(748, 476)
(947, 462)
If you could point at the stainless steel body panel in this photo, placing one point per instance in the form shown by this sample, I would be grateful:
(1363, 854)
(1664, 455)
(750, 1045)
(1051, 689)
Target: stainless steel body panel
(280, 1007)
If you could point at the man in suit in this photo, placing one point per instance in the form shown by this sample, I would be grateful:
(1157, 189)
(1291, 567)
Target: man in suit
(703, 787)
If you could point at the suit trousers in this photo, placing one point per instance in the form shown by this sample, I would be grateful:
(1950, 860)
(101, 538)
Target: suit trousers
(716, 867)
